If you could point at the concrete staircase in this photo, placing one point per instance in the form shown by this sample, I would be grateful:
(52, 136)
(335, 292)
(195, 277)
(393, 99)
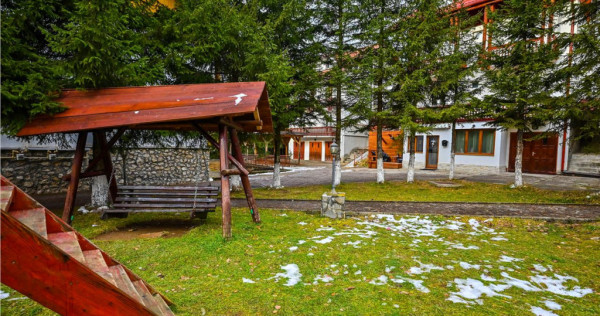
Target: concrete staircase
(585, 164)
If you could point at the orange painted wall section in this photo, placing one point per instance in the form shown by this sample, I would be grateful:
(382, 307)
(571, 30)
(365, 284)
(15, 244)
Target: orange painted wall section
(392, 143)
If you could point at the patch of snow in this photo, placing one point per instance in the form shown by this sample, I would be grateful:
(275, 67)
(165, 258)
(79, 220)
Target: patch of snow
(418, 284)
(247, 280)
(538, 311)
(293, 248)
(354, 244)
(539, 267)
(522, 284)
(471, 289)
(302, 223)
(467, 266)
(498, 238)
(292, 273)
(389, 269)
(300, 242)
(325, 229)
(324, 241)
(487, 278)
(83, 210)
(310, 254)
(555, 285)
(552, 305)
(424, 268)
(3, 295)
(325, 279)
(283, 214)
(474, 223)
(358, 272)
(461, 246)
(508, 259)
(381, 280)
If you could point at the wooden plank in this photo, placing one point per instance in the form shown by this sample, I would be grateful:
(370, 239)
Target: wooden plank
(162, 306)
(41, 271)
(95, 261)
(34, 219)
(124, 283)
(6, 195)
(67, 242)
(237, 151)
(230, 172)
(160, 210)
(178, 188)
(164, 199)
(164, 205)
(147, 298)
(136, 193)
(225, 194)
(74, 183)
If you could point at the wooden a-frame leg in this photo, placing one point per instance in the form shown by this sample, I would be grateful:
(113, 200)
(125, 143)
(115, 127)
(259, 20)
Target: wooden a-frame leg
(225, 194)
(74, 182)
(237, 153)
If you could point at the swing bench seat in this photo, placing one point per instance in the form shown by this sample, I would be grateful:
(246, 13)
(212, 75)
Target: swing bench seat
(198, 201)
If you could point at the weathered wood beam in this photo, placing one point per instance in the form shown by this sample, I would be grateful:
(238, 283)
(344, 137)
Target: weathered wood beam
(230, 172)
(225, 194)
(99, 157)
(230, 123)
(216, 145)
(237, 151)
(74, 182)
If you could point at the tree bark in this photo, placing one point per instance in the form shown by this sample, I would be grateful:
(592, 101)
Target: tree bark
(452, 151)
(380, 171)
(410, 176)
(276, 159)
(519, 160)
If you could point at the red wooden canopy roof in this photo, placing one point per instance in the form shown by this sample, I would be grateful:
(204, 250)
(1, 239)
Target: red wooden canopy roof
(175, 107)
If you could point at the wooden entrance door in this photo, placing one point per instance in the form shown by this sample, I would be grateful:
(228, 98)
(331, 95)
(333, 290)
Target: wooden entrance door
(328, 156)
(315, 151)
(539, 155)
(433, 148)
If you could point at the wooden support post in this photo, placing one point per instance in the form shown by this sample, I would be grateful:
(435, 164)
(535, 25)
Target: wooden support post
(74, 182)
(108, 166)
(225, 194)
(216, 145)
(237, 152)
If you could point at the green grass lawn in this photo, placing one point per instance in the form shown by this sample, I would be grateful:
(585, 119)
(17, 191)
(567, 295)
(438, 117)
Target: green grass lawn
(424, 191)
(365, 265)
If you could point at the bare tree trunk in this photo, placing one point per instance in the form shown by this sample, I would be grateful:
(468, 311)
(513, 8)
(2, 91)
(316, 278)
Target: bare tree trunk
(452, 152)
(380, 65)
(380, 172)
(276, 160)
(519, 160)
(410, 176)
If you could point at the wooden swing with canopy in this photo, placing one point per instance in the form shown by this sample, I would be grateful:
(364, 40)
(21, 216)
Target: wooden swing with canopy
(225, 108)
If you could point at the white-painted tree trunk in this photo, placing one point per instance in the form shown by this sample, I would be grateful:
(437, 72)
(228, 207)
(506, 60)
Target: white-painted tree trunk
(519, 160)
(100, 195)
(235, 183)
(277, 175)
(451, 174)
(410, 176)
(338, 172)
(380, 173)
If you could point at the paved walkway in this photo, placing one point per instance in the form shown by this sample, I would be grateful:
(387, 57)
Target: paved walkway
(311, 173)
(538, 211)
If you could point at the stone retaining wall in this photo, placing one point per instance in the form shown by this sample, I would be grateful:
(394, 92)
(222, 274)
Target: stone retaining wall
(36, 174)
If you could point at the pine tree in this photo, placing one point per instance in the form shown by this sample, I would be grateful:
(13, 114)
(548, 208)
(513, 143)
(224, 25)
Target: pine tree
(520, 72)
(338, 22)
(374, 69)
(418, 41)
(30, 76)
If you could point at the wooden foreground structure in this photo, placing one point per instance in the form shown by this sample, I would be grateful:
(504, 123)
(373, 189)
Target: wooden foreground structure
(48, 261)
(392, 144)
(226, 108)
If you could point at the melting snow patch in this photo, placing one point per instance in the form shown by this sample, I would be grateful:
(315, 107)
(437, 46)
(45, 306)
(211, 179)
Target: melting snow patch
(524, 285)
(552, 305)
(467, 266)
(389, 269)
(83, 210)
(3, 295)
(461, 246)
(247, 280)
(487, 278)
(381, 280)
(556, 286)
(324, 279)
(300, 242)
(325, 229)
(508, 259)
(302, 223)
(354, 244)
(310, 254)
(474, 223)
(423, 268)
(470, 290)
(539, 267)
(357, 272)
(292, 273)
(541, 312)
(498, 238)
(293, 248)
(418, 284)
(324, 241)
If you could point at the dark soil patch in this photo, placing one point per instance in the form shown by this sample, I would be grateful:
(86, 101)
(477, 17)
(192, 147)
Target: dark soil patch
(153, 229)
